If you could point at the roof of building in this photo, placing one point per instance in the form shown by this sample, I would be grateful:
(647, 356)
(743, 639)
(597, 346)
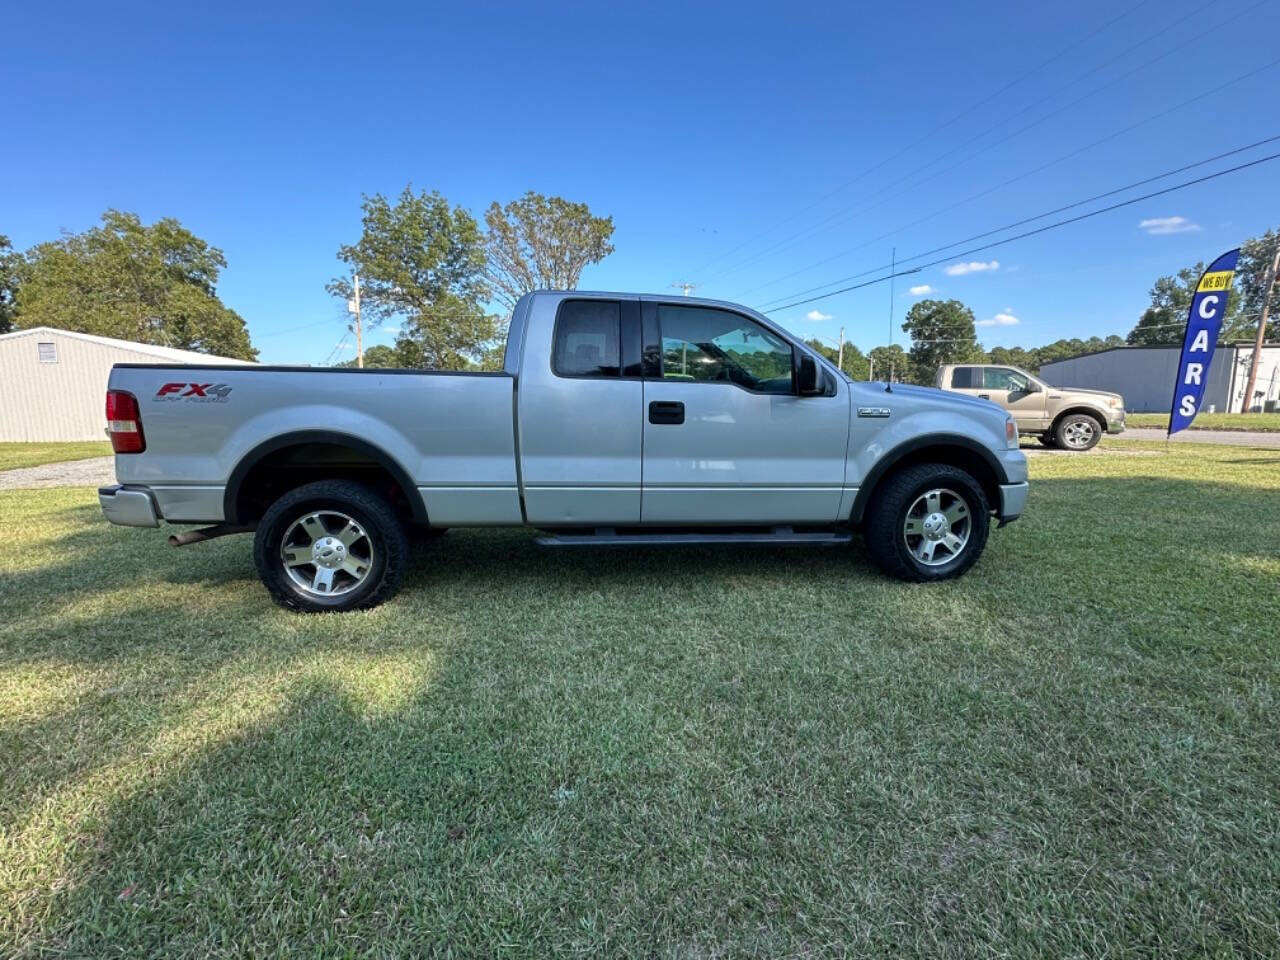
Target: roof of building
(161, 353)
(1233, 344)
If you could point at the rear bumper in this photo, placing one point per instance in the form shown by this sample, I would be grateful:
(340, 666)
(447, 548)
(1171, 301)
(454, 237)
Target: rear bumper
(1013, 497)
(128, 506)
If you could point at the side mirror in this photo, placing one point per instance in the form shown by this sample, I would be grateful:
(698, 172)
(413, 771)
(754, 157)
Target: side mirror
(808, 376)
(1031, 387)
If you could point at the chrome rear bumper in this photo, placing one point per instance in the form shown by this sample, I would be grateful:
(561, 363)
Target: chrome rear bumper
(128, 506)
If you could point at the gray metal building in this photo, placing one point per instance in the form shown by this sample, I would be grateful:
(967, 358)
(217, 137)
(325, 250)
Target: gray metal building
(53, 383)
(1144, 376)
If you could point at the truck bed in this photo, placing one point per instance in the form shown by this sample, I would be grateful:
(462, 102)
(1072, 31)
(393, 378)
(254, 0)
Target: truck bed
(450, 434)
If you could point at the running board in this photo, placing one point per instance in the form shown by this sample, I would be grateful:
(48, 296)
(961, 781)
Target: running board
(778, 537)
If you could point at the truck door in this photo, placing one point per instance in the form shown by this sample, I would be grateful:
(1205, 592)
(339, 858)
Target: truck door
(1017, 393)
(579, 412)
(726, 438)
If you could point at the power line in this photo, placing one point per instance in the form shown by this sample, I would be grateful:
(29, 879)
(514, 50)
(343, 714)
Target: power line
(863, 206)
(1029, 233)
(933, 132)
(1038, 216)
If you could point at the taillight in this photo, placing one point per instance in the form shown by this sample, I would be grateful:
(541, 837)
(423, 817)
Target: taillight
(124, 422)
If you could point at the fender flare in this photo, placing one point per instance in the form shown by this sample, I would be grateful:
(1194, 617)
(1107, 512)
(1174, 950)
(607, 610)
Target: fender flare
(379, 456)
(1098, 413)
(908, 447)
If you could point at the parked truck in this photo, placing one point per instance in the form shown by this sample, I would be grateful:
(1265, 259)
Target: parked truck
(617, 420)
(1067, 417)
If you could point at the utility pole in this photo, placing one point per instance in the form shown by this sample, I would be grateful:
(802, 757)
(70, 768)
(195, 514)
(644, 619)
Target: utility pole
(840, 354)
(353, 306)
(1252, 382)
(871, 368)
(685, 286)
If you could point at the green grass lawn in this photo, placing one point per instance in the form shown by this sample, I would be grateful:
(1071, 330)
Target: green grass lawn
(14, 455)
(1269, 422)
(1073, 751)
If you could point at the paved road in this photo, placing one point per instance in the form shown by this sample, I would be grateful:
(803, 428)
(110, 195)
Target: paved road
(95, 472)
(1235, 438)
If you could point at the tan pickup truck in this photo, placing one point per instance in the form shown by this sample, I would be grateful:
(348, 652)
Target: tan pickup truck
(1060, 416)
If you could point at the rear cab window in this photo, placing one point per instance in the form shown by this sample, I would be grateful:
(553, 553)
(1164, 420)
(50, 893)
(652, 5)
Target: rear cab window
(588, 339)
(965, 378)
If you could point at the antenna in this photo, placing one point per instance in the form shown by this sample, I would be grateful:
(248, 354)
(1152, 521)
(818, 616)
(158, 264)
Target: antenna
(893, 269)
(685, 286)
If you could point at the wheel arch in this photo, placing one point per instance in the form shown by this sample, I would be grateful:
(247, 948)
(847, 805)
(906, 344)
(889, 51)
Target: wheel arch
(953, 450)
(276, 450)
(1087, 410)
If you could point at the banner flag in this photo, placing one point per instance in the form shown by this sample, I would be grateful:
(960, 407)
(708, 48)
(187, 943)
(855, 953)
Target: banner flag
(1204, 321)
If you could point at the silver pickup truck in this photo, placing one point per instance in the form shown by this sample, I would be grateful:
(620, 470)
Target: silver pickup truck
(617, 420)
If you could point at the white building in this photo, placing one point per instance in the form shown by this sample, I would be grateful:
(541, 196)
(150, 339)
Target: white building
(1144, 376)
(53, 383)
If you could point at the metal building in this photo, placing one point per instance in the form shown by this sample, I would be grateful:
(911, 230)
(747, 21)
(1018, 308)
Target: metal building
(53, 383)
(1144, 376)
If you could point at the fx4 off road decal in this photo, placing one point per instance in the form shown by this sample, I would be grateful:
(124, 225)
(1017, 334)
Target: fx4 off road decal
(194, 392)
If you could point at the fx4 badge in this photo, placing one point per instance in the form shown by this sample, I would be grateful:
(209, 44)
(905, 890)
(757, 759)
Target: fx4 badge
(197, 392)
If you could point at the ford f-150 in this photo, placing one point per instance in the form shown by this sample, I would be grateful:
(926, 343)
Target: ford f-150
(616, 420)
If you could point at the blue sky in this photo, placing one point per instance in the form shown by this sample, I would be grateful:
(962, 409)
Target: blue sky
(736, 146)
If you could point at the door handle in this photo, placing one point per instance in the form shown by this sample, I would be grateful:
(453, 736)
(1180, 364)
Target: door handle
(666, 411)
(985, 396)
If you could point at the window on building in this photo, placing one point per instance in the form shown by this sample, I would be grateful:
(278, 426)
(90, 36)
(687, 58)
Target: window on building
(47, 351)
(587, 338)
(705, 344)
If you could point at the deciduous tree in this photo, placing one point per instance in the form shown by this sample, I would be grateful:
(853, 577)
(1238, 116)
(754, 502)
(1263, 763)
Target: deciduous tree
(855, 361)
(889, 362)
(941, 331)
(422, 261)
(152, 284)
(10, 264)
(542, 243)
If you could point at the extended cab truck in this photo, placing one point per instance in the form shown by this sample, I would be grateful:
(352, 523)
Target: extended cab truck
(617, 420)
(1065, 417)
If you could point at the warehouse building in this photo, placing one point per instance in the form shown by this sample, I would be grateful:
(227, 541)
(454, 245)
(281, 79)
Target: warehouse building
(1144, 376)
(53, 383)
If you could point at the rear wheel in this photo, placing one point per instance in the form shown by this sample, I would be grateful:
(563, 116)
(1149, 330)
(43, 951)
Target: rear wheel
(1078, 431)
(330, 546)
(928, 522)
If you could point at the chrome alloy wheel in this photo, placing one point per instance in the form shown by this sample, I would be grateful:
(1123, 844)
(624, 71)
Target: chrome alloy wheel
(326, 553)
(937, 527)
(1079, 434)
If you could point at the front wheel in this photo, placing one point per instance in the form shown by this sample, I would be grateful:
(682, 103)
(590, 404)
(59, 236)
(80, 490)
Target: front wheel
(928, 522)
(330, 546)
(1078, 432)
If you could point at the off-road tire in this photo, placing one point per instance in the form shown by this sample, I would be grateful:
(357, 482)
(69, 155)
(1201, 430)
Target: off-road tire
(1062, 427)
(385, 532)
(883, 529)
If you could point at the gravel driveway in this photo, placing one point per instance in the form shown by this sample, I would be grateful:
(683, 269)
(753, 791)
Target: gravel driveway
(94, 472)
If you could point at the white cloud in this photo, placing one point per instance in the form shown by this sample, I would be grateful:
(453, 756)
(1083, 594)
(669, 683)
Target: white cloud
(921, 290)
(973, 266)
(1162, 226)
(1006, 319)
(817, 315)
